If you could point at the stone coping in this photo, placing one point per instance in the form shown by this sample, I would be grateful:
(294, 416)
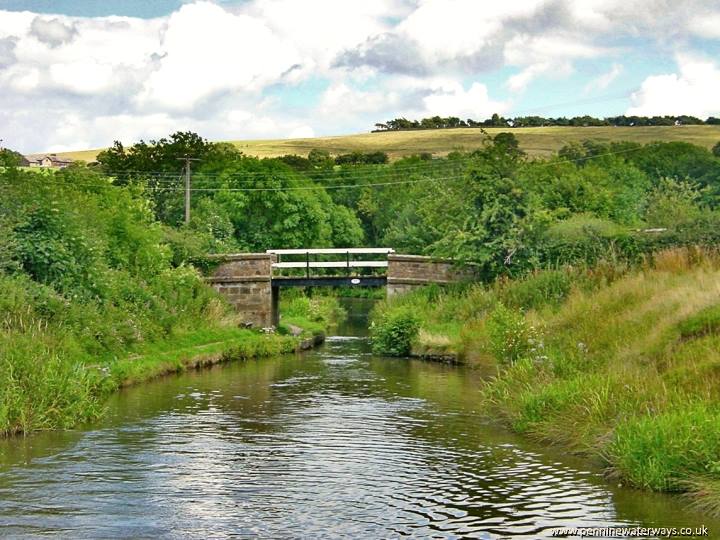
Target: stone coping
(241, 257)
(417, 258)
(238, 279)
(418, 281)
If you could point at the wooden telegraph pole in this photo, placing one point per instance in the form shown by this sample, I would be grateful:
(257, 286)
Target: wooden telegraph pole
(187, 159)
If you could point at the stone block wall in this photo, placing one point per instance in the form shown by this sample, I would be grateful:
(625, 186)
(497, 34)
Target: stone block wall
(407, 272)
(245, 280)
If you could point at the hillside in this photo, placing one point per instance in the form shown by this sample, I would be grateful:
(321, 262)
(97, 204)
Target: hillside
(535, 141)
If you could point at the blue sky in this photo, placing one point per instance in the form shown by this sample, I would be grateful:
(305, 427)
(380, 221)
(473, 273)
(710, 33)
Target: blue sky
(80, 74)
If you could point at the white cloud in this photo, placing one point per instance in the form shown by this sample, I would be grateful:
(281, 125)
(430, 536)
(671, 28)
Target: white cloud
(605, 79)
(693, 91)
(206, 50)
(342, 100)
(19, 78)
(456, 101)
(320, 29)
(550, 55)
(53, 32)
(707, 26)
(83, 76)
(224, 69)
(301, 132)
(519, 81)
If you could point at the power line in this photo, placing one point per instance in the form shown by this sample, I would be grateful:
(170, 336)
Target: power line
(343, 186)
(346, 186)
(313, 175)
(317, 188)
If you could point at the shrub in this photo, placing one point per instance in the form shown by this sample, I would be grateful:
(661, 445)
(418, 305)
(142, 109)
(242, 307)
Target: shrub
(41, 386)
(540, 404)
(545, 287)
(511, 337)
(393, 333)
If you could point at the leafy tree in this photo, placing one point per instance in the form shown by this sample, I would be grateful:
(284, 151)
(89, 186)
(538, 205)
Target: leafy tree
(672, 204)
(355, 158)
(158, 165)
(10, 158)
(508, 142)
(270, 205)
(320, 159)
(298, 163)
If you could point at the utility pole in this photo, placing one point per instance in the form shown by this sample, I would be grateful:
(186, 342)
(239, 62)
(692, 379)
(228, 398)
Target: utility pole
(187, 159)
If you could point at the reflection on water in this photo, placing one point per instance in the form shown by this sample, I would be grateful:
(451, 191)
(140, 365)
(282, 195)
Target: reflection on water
(332, 443)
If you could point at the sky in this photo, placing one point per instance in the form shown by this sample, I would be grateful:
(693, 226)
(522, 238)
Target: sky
(82, 74)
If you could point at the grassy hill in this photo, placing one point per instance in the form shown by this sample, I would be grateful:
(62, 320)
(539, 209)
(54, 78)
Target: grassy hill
(535, 141)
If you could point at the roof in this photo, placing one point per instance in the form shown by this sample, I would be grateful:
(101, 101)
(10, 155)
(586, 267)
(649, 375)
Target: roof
(52, 157)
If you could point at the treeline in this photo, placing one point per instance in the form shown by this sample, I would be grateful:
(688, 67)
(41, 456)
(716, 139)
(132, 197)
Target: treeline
(493, 206)
(438, 122)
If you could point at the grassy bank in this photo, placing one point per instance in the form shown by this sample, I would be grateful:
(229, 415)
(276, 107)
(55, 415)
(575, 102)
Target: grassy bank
(541, 141)
(617, 363)
(50, 382)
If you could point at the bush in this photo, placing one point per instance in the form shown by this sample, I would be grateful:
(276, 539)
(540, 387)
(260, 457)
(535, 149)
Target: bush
(393, 334)
(537, 290)
(511, 337)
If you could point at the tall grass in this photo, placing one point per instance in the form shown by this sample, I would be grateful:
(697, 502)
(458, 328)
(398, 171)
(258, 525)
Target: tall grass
(59, 358)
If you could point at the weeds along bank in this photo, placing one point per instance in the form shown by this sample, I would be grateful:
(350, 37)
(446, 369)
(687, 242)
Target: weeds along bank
(94, 294)
(616, 363)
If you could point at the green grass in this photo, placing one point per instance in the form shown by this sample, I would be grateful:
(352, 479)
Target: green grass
(313, 315)
(535, 141)
(622, 365)
(190, 350)
(704, 322)
(50, 381)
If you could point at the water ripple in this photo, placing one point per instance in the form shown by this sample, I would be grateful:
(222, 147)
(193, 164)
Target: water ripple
(333, 444)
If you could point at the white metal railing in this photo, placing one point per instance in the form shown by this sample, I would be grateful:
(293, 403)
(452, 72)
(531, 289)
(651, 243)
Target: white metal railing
(332, 251)
(347, 263)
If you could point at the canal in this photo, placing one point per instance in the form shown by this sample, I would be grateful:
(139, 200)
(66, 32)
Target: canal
(332, 443)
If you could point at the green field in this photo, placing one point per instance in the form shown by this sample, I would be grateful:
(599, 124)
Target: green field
(535, 141)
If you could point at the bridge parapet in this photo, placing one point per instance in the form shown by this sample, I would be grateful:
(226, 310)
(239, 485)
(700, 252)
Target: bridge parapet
(407, 272)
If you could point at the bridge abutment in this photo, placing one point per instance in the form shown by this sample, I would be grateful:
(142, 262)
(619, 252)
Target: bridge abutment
(245, 280)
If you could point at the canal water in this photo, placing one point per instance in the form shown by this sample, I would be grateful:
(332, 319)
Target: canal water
(334, 443)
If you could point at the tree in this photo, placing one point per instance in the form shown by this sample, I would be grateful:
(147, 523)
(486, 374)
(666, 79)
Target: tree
(673, 205)
(320, 159)
(716, 149)
(158, 164)
(509, 143)
(10, 158)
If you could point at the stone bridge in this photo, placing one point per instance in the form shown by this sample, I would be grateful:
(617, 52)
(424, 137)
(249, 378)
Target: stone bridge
(252, 281)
